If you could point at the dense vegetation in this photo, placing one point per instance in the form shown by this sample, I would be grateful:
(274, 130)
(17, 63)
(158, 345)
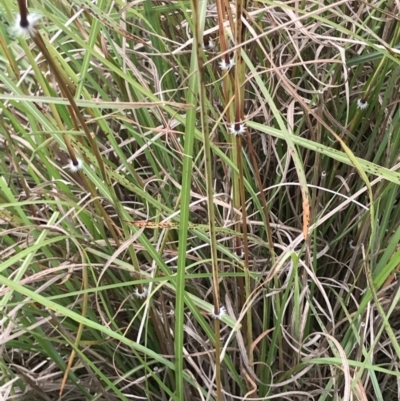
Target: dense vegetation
(196, 206)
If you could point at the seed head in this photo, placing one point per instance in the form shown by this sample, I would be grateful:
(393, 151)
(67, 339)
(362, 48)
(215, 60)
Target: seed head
(237, 129)
(74, 167)
(222, 312)
(208, 43)
(226, 65)
(141, 294)
(362, 104)
(25, 27)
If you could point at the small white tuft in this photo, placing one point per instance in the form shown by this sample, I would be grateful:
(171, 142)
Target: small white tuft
(222, 312)
(361, 104)
(208, 45)
(241, 256)
(237, 129)
(226, 66)
(18, 29)
(75, 167)
(351, 245)
(142, 294)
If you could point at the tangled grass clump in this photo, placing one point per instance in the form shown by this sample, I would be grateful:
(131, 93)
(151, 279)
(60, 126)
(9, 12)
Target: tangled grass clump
(198, 200)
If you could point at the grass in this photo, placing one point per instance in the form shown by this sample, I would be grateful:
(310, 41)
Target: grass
(232, 234)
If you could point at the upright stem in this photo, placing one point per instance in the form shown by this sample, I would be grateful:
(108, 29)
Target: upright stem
(239, 117)
(210, 197)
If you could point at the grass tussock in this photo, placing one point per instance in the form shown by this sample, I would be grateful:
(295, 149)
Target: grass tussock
(198, 200)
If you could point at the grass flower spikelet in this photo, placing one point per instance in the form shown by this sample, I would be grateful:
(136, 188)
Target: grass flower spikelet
(224, 65)
(362, 104)
(141, 294)
(237, 129)
(74, 167)
(222, 312)
(25, 27)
